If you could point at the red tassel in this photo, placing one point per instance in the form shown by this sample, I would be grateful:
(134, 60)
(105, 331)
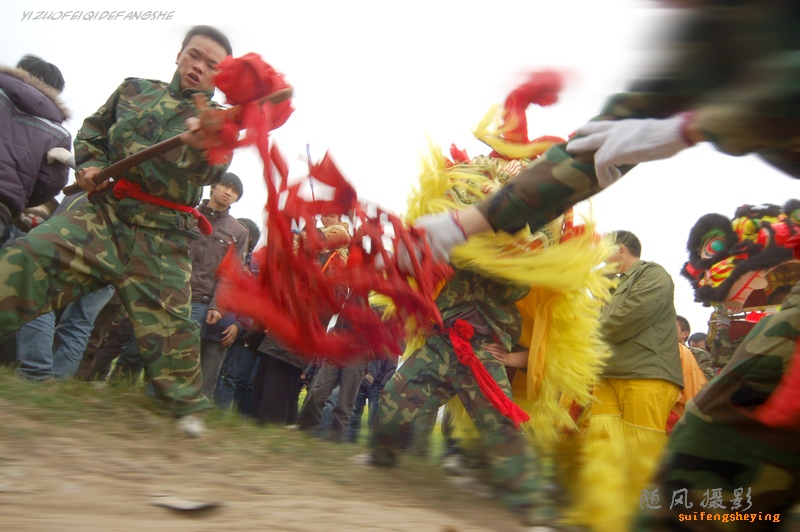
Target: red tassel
(540, 88)
(293, 295)
(460, 335)
(245, 80)
(459, 156)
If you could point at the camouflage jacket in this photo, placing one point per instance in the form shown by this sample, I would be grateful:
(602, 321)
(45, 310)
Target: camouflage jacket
(138, 114)
(487, 304)
(750, 378)
(722, 347)
(734, 64)
(704, 361)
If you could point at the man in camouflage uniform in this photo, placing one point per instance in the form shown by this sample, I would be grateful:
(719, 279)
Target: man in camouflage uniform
(433, 374)
(702, 357)
(719, 448)
(141, 246)
(731, 82)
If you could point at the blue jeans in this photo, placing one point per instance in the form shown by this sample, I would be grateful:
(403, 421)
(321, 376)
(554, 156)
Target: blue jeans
(199, 311)
(371, 394)
(327, 413)
(35, 347)
(10, 234)
(235, 385)
(47, 349)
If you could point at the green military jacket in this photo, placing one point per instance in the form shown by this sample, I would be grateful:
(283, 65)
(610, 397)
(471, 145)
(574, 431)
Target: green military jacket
(638, 323)
(140, 113)
(485, 303)
(736, 64)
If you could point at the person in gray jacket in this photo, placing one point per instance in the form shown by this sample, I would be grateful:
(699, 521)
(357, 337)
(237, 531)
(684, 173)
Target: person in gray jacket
(206, 254)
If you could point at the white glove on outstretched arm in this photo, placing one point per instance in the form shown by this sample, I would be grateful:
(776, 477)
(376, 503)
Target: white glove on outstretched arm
(629, 141)
(443, 232)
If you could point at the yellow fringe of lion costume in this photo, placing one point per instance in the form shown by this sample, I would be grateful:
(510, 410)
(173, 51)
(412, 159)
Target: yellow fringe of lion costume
(569, 287)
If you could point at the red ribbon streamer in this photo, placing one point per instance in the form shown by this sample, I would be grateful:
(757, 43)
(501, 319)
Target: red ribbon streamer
(460, 334)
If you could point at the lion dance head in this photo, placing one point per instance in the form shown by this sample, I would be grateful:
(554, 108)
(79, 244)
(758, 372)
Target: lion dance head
(750, 261)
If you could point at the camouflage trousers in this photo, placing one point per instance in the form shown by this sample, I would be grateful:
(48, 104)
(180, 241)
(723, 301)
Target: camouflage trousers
(80, 251)
(430, 377)
(722, 469)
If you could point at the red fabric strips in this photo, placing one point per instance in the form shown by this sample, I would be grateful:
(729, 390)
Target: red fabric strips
(291, 295)
(245, 80)
(460, 335)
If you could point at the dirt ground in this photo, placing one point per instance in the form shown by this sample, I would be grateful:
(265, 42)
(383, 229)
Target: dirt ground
(85, 474)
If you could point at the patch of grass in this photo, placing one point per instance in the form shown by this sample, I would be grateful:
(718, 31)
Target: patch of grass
(123, 409)
(88, 421)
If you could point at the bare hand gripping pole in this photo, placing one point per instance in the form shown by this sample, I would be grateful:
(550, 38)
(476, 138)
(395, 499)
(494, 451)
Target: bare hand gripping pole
(211, 120)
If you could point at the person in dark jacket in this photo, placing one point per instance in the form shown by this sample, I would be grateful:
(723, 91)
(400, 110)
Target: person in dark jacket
(207, 253)
(31, 118)
(379, 372)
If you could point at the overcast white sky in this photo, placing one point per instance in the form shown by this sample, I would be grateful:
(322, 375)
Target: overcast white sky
(374, 79)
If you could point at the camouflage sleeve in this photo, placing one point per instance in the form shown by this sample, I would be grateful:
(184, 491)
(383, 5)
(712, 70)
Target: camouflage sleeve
(713, 51)
(704, 362)
(722, 348)
(735, 66)
(545, 190)
(91, 142)
(196, 166)
(761, 116)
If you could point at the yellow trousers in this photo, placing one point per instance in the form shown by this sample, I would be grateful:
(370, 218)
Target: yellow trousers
(621, 450)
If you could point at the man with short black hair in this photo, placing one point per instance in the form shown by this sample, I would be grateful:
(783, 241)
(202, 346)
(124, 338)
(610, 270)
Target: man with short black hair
(31, 118)
(135, 237)
(207, 253)
(638, 387)
(700, 355)
(699, 340)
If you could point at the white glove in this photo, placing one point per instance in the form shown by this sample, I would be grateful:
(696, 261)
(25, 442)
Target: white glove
(630, 141)
(61, 155)
(29, 220)
(443, 232)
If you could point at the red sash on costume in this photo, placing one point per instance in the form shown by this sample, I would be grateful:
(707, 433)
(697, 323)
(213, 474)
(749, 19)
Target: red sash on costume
(460, 334)
(127, 189)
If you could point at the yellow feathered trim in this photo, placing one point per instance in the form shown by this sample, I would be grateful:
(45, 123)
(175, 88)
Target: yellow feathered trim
(560, 322)
(617, 462)
(569, 288)
(442, 188)
(599, 496)
(491, 132)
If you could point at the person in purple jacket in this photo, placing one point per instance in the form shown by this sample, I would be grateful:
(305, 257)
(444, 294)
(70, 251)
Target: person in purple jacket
(31, 118)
